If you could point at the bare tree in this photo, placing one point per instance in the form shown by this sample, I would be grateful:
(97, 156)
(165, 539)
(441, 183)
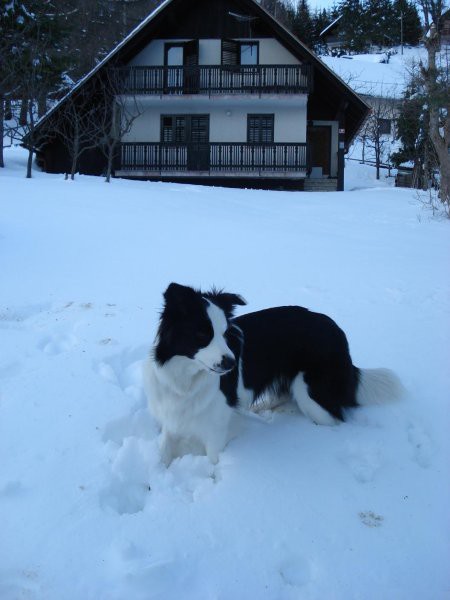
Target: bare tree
(376, 135)
(116, 117)
(78, 127)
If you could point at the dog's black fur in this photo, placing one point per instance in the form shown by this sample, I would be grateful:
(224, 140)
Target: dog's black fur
(278, 343)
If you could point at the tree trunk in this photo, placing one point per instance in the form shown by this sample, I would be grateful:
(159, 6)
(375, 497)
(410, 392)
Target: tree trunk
(8, 110)
(109, 165)
(444, 190)
(30, 150)
(75, 149)
(29, 163)
(439, 130)
(377, 155)
(2, 117)
(23, 112)
(42, 105)
(110, 159)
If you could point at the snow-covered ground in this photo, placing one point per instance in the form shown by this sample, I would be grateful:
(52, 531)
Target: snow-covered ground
(292, 511)
(369, 74)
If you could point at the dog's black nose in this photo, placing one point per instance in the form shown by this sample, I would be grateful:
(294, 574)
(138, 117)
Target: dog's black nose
(227, 363)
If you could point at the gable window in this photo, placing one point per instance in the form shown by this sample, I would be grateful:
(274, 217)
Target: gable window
(177, 54)
(249, 53)
(173, 55)
(260, 129)
(239, 53)
(181, 58)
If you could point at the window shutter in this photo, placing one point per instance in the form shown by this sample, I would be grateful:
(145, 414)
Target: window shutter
(260, 129)
(190, 58)
(230, 52)
(191, 72)
(199, 129)
(173, 129)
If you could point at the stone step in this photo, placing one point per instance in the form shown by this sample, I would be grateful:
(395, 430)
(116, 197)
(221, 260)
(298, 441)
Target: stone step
(320, 185)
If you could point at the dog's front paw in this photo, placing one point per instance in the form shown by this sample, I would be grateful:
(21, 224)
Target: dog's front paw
(166, 450)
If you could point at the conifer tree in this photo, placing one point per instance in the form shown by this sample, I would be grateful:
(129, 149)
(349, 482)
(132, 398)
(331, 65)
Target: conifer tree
(320, 20)
(353, 26)
(412, 28)
(380, 24)
(303, 24)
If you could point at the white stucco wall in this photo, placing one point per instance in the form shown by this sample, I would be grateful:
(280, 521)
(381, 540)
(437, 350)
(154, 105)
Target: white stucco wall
(271, 52)
(228, 114)
(227, 118)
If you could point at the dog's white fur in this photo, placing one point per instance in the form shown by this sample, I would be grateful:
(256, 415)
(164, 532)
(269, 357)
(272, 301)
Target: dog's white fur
(184, 397)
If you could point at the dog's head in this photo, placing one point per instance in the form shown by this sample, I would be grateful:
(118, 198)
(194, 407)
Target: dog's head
(196, 325)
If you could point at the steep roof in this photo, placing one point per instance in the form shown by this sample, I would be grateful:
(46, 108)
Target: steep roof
(163, 18)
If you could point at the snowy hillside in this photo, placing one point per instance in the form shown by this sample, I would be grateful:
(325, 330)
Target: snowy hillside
(292, 510)
(370, 74)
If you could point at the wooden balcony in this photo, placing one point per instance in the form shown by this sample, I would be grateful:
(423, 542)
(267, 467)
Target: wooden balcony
(212, 159)
(215, 79)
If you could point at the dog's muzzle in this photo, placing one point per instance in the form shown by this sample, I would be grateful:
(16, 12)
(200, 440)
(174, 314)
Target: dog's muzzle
(227, 364)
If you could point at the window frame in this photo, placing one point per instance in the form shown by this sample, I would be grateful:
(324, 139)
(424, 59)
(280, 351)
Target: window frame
(260, 116)
(187, 127)
(173, 128)
(238, 44)
(383, 125)
(167, 47)
(250, 43)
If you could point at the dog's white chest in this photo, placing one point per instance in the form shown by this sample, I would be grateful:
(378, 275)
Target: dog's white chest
(180, 401)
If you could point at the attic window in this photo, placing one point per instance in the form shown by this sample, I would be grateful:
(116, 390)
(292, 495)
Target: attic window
(249, 53)
(240, 53)
(174, 54)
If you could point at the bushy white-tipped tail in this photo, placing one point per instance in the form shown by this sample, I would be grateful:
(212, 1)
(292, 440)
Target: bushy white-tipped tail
(377, 386)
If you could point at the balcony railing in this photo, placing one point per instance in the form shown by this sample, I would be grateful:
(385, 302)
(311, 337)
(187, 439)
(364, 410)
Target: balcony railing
(214, 158)
(216, 79)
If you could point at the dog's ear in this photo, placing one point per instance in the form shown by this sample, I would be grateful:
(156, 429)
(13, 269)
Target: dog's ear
(179, 296)
(233, 300)
(227, 302)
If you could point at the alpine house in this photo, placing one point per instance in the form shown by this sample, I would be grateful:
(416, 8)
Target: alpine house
(223, 94)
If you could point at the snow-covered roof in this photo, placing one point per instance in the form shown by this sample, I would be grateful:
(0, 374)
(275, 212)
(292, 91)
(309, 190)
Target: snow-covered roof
(330, 26)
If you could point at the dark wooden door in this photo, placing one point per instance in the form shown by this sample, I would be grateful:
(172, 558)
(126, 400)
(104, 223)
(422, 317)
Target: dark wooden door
(198, 143)
(319, 144)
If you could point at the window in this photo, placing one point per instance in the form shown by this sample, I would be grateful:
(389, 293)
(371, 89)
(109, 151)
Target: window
(239, 53)
(384, 126)
(173, 128)
(249, 53)
(184, 129)
(260, 129)
(174, 54)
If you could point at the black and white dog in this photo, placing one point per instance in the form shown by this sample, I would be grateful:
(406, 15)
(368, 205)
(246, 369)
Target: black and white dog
(205, 363)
